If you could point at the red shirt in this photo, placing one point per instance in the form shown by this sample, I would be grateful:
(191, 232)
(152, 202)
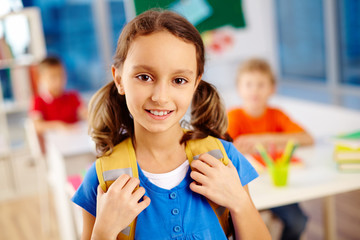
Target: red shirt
(63, 108)
(272, 121)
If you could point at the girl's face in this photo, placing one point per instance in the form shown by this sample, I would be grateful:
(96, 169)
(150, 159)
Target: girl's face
(158, 78)
(255, 89)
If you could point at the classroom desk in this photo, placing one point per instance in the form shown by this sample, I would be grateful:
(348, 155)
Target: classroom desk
(318, 178)
(61, 147)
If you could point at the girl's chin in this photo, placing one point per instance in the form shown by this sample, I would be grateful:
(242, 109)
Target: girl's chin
(161, 128)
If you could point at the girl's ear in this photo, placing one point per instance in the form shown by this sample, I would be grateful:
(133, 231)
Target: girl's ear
(117, 80)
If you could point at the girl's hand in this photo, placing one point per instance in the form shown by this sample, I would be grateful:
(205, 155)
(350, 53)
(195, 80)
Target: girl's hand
(217, 182)
(118, 207)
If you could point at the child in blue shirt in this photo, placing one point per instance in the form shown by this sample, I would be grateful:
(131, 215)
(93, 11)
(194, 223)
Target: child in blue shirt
(157, 71)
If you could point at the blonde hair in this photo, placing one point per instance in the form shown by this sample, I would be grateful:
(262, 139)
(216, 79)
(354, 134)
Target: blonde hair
(256, 65)
(109, 117)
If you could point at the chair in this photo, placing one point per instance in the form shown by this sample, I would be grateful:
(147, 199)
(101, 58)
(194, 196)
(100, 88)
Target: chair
(41, 172)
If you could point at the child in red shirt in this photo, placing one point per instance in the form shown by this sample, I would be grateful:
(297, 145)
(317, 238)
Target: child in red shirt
(256, 122)
(55, 108)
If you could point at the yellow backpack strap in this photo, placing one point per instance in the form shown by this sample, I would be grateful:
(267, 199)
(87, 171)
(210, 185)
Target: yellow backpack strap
(108, 168)
(223, 215)
(214, 147)
(210, 145)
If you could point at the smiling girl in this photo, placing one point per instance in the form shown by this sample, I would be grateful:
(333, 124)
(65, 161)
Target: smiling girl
(157, 73)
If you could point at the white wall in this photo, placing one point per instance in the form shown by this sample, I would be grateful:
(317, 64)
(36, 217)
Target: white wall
(257, 39)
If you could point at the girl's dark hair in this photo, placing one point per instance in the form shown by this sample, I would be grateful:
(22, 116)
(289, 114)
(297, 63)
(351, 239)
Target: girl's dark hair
(208, 114)
(110, 119)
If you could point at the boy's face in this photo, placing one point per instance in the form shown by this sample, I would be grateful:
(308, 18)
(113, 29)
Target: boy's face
(53, 78)
(255, 89)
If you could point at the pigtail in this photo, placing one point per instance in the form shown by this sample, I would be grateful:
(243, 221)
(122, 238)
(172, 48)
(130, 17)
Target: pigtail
(110, 121)
(208, 115)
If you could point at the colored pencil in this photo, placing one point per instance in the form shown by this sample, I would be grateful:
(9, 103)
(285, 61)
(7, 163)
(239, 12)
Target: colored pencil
(260, 148)
(285, 158)
(292, 152)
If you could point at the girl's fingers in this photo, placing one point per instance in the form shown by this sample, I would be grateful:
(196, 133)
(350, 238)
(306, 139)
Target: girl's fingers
(100, 192)
(197, 188)
(210, 160)
(131, 185)
(199, 177)
(230, 164)
(119, 183)
(138, 194)
(233, 168)
(144, 204)
(202, 167)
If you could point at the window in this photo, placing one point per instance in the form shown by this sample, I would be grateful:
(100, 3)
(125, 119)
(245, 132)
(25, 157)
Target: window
(318, 45)
(301, 43)
(71, 30)
(349, 41)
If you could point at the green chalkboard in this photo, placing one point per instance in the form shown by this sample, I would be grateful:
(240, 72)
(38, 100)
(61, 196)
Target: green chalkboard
(224, 12)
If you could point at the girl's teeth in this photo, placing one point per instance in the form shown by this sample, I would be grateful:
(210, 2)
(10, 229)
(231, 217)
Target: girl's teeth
(160, 113)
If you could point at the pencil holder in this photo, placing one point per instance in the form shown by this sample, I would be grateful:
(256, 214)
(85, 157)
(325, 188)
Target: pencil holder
(279, 174)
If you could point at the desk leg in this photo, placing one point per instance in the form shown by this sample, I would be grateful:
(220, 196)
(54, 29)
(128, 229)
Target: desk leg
(329, 218)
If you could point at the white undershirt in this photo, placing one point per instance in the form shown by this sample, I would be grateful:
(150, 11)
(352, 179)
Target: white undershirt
(170, 179)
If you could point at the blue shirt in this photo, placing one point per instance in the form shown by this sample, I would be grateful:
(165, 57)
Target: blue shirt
(178, 213)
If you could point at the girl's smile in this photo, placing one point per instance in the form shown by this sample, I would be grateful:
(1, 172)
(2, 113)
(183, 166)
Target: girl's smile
(159, 114)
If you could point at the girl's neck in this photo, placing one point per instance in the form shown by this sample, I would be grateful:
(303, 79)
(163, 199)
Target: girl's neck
(159, 152)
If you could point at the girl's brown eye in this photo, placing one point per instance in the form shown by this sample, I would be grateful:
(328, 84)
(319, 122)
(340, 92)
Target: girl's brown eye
(144, 77)
(180, 81)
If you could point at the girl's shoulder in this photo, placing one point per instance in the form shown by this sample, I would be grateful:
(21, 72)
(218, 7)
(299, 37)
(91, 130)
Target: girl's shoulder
(227, 145)
(230, 149)
(246, 171)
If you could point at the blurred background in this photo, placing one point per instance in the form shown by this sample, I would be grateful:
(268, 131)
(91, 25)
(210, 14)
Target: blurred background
(312, 45)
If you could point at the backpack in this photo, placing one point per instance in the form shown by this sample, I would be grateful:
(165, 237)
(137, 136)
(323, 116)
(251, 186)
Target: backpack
(109, 168)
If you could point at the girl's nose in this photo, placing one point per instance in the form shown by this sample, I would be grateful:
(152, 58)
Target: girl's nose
(160, 92)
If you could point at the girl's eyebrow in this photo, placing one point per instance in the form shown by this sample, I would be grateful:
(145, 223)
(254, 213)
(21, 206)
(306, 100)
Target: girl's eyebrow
(151, 69)
(184, 71)
(143, 67)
